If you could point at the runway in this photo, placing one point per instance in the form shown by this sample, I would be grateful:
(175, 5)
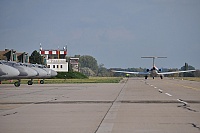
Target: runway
(134, 105)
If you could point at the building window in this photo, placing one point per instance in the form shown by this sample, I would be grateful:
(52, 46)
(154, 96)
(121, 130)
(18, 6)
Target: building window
(54, 66)
(60, 66)
(57, 66)
(48, 66)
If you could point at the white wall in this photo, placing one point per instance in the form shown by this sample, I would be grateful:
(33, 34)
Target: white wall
(59, 65)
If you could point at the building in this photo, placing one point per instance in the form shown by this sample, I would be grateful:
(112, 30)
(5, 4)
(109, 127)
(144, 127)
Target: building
(55, 59)
(12, 55)
(74, 63)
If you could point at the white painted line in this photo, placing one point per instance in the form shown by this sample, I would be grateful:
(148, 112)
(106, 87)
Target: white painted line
(155, 87)
(182, 101)
(168, 94)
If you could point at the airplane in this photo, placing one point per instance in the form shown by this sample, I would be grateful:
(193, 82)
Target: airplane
(43, 72)
(154, 71)
(7, 72)
(25, 71)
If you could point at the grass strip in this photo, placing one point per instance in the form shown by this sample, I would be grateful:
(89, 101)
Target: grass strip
(71, 81)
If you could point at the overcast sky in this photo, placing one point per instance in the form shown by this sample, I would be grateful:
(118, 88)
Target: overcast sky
(116, 32)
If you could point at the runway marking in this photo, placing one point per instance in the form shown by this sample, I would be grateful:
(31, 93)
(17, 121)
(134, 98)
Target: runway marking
(168, 94)
(155, 87)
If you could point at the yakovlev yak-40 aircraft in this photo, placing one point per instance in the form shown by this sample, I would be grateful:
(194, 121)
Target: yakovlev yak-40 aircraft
(12, 70)
(154, 71)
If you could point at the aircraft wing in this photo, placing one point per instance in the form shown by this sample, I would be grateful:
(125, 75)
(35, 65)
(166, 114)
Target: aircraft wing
(128, 72)
(165, 73)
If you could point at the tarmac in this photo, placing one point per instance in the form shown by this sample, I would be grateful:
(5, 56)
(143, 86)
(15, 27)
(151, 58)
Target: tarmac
(134, 105)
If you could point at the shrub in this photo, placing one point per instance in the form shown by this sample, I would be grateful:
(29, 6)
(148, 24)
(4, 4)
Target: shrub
(70, 75)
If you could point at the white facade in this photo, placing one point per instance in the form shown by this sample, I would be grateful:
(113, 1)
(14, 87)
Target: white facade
(58, 65)
(55, 59)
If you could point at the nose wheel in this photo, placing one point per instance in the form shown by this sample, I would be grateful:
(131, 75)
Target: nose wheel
(30, 82)
(41, 81)
(17, 83)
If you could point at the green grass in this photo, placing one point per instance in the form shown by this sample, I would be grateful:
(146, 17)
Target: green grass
(189, 78)
(67, 81)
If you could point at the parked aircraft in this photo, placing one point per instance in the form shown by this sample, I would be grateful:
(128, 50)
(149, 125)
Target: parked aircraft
(42, 71)
(154, 71)
(25, 71)
(7, 72)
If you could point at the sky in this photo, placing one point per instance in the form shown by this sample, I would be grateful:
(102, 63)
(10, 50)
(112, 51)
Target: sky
(115, 32)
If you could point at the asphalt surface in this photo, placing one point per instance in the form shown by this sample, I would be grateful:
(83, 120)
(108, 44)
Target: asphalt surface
(133, 106)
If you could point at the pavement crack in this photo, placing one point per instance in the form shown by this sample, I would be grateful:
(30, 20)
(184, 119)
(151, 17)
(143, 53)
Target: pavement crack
(112, 104)
(194, 125)
(185, 106)
(10, 114)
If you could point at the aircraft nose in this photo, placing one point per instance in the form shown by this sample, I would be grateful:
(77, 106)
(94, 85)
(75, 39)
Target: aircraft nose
(22, 71)
(2, 73)
(31, 72)
(8, 71)
(42, 72)
(53, 73)
(14, 72)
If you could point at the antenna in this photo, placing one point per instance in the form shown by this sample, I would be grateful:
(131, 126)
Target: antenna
(40, 46)
(153, 57)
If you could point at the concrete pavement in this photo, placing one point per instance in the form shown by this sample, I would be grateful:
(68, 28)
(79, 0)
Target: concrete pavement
(133, 106)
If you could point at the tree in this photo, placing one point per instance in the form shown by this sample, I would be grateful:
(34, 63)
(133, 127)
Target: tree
(102, 71)
(90, 62)
(197, 73)
(87, 71)
(36, 58)
(187, 67)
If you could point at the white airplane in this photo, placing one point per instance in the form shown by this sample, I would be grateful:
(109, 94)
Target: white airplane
(7, 72)
(154, 71)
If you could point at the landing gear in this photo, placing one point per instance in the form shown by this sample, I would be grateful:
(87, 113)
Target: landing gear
(41, 81)
(146, 77)
(30, 82)
(17, 83)
(161, 77)
(153, 77)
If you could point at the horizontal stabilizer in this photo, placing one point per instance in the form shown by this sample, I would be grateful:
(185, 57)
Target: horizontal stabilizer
(153, 57)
